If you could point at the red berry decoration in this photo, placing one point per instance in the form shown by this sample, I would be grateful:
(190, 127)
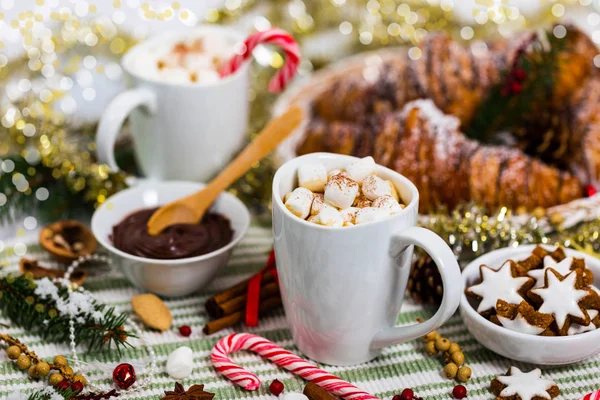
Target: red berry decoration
(407, 394)
(589, 190)
(185, 330)
(459, 392)
(276, 388)
(396, 397)
(124, 376)
(62, 385)
(515, 88)
(76, 387)
(520, 74)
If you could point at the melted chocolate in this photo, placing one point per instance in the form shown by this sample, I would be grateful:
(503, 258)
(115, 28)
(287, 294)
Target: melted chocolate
(177, 241)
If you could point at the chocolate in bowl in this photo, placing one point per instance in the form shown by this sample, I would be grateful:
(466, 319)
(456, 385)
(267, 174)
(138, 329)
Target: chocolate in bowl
(131, 236)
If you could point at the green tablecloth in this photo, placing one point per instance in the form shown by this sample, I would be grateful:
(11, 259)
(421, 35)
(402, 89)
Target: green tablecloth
(404, 365)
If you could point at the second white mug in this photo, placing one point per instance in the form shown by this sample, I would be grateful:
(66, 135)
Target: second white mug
(342, 288)
(183, 131)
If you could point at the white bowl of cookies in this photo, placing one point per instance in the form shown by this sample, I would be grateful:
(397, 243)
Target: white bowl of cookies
(536, 304)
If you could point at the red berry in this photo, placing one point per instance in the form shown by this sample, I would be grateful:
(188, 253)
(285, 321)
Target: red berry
(590, 190)
(515, 88)
(76, 387)
(407, 394)
(185, 330)
(520, 74)
(459, 392)
(276, 387)
(396, 397)
(63, 384)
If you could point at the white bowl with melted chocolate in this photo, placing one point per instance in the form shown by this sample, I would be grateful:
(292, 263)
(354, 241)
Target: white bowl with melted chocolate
(182, 259)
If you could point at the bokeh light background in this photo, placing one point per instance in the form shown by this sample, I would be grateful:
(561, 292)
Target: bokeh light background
(59, 60)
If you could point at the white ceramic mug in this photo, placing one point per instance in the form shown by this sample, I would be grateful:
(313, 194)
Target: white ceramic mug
(183, 131)
(342, 288)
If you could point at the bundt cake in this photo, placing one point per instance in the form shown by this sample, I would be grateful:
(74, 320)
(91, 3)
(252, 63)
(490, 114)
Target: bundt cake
(412, 114)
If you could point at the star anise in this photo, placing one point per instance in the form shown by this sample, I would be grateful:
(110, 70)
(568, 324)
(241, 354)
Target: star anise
(195, 392)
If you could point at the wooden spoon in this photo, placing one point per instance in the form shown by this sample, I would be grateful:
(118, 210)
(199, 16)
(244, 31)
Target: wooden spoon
(190, 209)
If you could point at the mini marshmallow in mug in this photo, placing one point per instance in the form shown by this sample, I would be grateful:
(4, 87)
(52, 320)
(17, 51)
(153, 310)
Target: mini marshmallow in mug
(387, 203)
(299, 202)
(369, 214)
(362, 202)
(341, 191)
(374, 187)
(329, 216)
(362, 168)
(349, 214)
(318, 204)
(312, 176)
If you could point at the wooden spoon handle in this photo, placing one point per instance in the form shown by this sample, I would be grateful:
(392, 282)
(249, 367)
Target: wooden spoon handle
(273, 134)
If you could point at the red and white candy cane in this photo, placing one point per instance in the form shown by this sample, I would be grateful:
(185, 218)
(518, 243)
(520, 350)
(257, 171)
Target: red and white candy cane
(274, 36)
(592, 396)
(281, 357)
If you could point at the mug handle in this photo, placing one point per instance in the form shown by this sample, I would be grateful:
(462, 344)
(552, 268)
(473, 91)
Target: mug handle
(451, 279)
(114, 116)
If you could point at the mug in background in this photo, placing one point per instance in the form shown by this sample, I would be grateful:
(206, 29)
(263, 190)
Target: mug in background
(342, 288)
(183, 131)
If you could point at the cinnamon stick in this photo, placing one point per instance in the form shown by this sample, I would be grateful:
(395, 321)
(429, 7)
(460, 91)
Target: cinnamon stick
(239, 303)
(265, 305)
(235, 291)
(315, 392)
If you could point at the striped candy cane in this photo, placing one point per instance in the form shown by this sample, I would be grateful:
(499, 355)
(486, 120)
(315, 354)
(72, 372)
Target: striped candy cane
(281, 357)
(592, 396)
(274, 36)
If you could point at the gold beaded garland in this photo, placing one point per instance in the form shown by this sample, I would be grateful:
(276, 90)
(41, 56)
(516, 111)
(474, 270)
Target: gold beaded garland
(23, 362)
(42, 368)
(464, 373)
(55, 379)
(13, 352)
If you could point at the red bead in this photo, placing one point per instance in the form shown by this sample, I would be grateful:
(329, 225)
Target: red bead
(515, 88)
(63, 384)
(589, 190)
(76, 387)
(276, 388)
(407, 394)
(520, 74)
(185, 330)
(459, 392)
(124, 376)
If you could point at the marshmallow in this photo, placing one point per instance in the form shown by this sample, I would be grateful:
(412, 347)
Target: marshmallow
(333, 172)
(318, 204)
(388, 204)
(348, 214)
(348, 223)
(299, 202)
(312, 176)
(341, 191)
(329, 216)
(286, 197)
(374, 187)
(362, 168)
(362, 202)
(180, 363)
(394, 191)
(369, 214)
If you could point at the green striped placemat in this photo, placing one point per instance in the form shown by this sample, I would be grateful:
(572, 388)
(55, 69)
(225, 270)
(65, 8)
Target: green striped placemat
(400, 366)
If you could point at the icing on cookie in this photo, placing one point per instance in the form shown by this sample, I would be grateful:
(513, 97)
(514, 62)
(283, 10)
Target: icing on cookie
(563, 268)
(576, 329)
(520, 324)
(561, 298)
(526, 385)
(498, 284)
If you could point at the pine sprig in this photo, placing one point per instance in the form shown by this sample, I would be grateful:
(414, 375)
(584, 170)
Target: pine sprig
(51, 393)
(526, 88)
(100, 327)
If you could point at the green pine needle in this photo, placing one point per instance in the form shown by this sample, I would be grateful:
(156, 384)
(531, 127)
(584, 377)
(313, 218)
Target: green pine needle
(24, 307)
